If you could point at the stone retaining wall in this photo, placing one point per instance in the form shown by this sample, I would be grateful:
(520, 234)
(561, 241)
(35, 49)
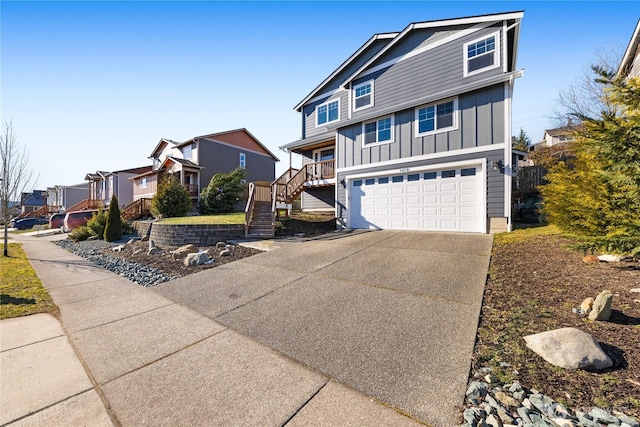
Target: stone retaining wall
(199, 235)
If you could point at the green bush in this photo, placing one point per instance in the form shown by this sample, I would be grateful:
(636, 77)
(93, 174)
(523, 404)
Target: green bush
(97, 222)
(127, 227)
(222, 193)
(80, 233)
(113, 226)
(171, 199)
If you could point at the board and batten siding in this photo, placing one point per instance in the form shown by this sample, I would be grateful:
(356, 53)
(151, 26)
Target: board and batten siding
(440, 69)
(480, 122)
(494, 185)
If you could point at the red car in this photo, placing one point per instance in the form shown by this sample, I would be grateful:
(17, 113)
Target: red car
(56, 220)
(76, 219)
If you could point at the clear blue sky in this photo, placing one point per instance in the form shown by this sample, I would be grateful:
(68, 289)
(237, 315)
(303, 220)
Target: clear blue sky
(94, 85)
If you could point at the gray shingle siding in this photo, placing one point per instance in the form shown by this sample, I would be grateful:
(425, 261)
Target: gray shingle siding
(223, 158)
(480, 122)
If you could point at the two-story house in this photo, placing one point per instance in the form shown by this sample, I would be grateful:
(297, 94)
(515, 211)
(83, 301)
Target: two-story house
(196, 160)
(103, 185)
(413, 131)
(62, 197)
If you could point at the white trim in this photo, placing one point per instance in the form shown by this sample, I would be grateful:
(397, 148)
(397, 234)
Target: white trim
(479, 163)
(508, 90)
(242, 159)
(318, 182)
(362, 73)
(143, 196)
(376, 120)
(504, 52)
(325, 95)
(462, 151)
(454, 125)
(330, 101)
(496, 54)
(371, 96)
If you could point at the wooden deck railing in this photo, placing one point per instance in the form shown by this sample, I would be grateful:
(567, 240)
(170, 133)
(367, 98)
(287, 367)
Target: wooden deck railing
(136, 209)
(86, 204)
(291, 184)
(192, 189)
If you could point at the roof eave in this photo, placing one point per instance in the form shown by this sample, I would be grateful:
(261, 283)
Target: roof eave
(630, 53)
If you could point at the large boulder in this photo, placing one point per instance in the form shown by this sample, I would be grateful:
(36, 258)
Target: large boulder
(601, 306)
(197, 258)
(185, 250)
(569, 348)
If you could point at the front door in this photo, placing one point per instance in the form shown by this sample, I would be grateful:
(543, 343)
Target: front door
(321, 155)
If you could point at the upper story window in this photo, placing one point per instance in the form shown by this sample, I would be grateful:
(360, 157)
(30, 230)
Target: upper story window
(243, 160)
(436, 118)
(481, 55)
(143, 182)
(378, 131)
(363, 95)
(187, 151)
(328, 112)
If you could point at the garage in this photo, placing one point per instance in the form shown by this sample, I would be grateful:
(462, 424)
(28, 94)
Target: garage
(448, 199)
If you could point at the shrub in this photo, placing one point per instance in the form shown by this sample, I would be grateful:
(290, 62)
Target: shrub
(171, 199)
(127, 227)
(113, 226)
(97, 222)
(222, 193)
(80, 233)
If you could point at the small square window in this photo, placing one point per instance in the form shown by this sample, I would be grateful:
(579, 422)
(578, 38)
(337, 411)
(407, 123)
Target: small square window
(449, 174)
(357, 183)
(430, 175)
(369, 181)
(413, 177)
(384, 180)
(397, 178)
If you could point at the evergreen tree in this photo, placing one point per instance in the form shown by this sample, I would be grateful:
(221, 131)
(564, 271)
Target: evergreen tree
(522, 142)
(113, 227)
(596, 195)
(171, 199)
(223, 192)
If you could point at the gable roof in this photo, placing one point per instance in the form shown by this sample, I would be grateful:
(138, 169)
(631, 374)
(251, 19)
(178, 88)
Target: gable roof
(239, 138)
(161, 145)
(631, 52)
(397, 37)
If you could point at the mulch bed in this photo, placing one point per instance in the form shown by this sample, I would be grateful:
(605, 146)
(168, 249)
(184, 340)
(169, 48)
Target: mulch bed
(533, 286)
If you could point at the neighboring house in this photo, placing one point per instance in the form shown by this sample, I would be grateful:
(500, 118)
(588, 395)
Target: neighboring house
(413, 131)
(630, 64)
(103, 185)
(556, 136)
(62, 197)
(33, 201)
(196, 160)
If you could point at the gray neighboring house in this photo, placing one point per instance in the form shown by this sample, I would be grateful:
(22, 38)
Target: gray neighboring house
(62, 197)
(413, 131)
(196, 160)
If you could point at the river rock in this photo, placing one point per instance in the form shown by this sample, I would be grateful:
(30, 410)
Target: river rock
(225, 252)
(197, 258)
(569, 348)
(220, 245)
(118, 248)
(610, 258)
(185, 250)
(586, 305)
(601, 306)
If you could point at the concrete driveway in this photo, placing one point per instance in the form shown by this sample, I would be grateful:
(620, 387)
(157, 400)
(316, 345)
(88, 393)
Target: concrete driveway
(390, 314)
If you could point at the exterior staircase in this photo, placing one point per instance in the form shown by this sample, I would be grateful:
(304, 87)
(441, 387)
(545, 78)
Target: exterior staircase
(86, 204)
(137, 209)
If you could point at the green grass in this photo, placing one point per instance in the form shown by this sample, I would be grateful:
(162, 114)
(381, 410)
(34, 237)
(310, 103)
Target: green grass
(21, 292)
(226, 218)
(524, 234)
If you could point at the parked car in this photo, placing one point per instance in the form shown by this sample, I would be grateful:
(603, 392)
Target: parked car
(26, 223)
(78, 218)
(56, 220)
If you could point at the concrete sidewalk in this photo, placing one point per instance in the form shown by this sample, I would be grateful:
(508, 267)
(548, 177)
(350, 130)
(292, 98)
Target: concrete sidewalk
(127, 355)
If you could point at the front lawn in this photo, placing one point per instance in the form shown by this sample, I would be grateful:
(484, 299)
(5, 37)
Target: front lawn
(21, 292)
(225, 218)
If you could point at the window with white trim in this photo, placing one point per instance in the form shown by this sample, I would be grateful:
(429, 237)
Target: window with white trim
(328, 112)
(435, 118)
(482, 54)
(243, 160)
(187, 151)
(143, 182)
(378, 131)
(363, 95)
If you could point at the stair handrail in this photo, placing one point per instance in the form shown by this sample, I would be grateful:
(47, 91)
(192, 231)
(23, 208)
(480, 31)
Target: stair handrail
(248, 210)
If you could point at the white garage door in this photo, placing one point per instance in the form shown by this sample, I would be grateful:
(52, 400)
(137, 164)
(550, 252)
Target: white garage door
(443, 200)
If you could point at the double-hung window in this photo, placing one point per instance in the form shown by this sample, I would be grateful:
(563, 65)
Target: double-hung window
(187, 151)
(363, 95)
(243, 160)
(328, 112)
(378, 131)
(436, 118)
(481, 54)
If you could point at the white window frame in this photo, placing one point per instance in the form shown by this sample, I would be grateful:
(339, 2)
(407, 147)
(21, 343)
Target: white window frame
(143, 182)
(370, 94)
(243, 161)
(187, 149)
(326, 104)
(453, 126)
(496, 54)
(378, 142)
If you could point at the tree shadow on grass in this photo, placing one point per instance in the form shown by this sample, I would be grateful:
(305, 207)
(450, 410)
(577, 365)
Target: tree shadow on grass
(8, 299)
